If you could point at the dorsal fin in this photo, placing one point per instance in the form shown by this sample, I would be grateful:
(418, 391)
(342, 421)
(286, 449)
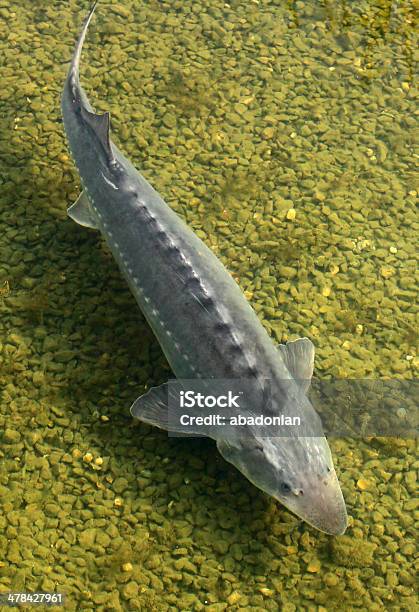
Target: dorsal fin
(100, 124)
(298, 356)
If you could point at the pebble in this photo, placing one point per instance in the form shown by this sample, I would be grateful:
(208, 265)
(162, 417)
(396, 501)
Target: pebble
(38, 378)
(11, 436)
(314, 566)
(127, 567)
(266, 592)
(130, 590)
(331, 579)
(363, 484)
(234, 598)
(387, 271)
(268, 132)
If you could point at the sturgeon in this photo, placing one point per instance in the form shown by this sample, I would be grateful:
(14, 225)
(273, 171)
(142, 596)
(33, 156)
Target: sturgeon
(204, 324)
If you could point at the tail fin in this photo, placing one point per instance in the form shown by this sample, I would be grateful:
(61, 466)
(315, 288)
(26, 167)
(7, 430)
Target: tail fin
(73, 73)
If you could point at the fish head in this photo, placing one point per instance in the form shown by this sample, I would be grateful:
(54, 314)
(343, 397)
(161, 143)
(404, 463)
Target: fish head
(297, 471)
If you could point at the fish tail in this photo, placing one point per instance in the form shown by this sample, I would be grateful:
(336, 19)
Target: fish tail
(75, 61)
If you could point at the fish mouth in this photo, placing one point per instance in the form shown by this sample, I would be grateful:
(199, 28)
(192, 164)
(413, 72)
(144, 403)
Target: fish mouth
(334, 524)
(322, 507)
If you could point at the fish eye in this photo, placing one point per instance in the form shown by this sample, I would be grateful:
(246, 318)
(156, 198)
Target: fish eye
(284, 487)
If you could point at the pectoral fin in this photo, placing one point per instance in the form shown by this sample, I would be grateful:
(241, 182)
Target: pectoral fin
(298, 356)
(81, 212)
(160, 407)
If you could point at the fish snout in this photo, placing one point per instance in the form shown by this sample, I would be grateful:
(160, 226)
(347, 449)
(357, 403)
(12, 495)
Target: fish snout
(319, 502)
(325, 506)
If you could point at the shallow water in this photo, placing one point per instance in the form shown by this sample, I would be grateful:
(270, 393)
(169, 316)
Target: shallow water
(283, 133)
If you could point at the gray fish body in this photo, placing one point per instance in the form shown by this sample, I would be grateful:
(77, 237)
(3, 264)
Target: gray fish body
(201, 318)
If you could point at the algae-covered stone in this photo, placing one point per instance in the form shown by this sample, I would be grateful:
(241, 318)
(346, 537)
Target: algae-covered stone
(287, 272)
(121, 10)
(185, 564)
(130, 590)
(169, 120)
(120, 484)
(352, 552)
(217, 607)
(188, 601)
(11, 436)
(87, 537)
(314, 566)
(236, 552)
